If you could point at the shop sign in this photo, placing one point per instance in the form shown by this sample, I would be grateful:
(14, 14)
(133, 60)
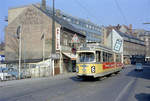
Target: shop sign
(57, 38)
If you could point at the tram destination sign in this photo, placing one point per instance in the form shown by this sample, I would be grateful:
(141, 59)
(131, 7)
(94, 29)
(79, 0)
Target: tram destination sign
(84, 48)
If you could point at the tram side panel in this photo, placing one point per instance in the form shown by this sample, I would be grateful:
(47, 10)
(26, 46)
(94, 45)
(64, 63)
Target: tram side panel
(98, 70)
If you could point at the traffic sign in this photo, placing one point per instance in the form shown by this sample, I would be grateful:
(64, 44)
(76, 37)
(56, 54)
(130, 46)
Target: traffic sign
(75, 39)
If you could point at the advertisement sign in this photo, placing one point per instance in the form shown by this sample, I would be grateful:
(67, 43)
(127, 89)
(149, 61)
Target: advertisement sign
(57, 38)
(117, 42)
(118, 45)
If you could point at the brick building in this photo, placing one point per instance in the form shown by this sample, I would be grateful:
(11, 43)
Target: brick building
(132, 46)
(36, 21)
(146, 37)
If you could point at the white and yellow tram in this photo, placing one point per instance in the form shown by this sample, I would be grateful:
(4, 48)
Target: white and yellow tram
(97, 61)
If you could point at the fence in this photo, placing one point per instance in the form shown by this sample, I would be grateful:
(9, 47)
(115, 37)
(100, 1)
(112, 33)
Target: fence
(33, 70)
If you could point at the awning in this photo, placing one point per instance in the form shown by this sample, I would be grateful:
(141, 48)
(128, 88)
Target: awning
(70, 55)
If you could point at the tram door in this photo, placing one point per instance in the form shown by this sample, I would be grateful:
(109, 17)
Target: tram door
(73, 65)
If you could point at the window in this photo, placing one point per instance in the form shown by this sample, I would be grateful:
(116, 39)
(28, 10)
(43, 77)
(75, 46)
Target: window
(87, 25)
(110, 57)
(77, 22)
(64, 18)
(104, 57)
(65, 41)
(90, 26)
(107, 57)
(86, 57)
(69, 19)
(98, 56)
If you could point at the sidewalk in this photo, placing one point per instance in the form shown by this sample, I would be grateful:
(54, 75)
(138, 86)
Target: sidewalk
(56, 77)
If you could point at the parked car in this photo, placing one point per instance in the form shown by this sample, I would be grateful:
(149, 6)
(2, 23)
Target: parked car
(14, 72)
(139, 67)
(4, 75)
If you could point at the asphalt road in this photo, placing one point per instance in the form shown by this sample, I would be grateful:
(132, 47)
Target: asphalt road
(126, 86)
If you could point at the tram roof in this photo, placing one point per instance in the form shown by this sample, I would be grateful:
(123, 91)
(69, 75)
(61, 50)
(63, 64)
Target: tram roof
(93, 47)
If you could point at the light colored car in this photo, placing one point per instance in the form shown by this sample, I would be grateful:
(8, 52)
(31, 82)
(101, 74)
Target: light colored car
(4, 75)
(139, 67)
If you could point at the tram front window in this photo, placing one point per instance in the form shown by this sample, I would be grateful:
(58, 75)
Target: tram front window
(86, 57)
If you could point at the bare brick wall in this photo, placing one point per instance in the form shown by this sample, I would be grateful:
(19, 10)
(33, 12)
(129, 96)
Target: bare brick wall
(33, 24)
(133, 48)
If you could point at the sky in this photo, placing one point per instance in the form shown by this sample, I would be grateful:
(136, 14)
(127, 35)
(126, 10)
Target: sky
(101, 12)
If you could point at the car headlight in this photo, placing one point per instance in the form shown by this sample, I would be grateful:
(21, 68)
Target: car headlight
(93, 69)
(77, 69)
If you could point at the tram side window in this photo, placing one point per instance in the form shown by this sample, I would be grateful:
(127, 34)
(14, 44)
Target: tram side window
(107, 57)
(118, 58)
(110, 57)
(104, 57)
(98, 56)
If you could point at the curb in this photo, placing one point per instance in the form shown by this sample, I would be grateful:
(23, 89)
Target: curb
(56, 77)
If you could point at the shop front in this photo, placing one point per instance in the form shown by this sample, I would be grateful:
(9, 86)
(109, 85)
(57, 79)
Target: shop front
(69, 62)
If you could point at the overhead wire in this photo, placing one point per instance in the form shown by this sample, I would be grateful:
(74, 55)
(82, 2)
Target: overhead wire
(121, 12)
(87, 10)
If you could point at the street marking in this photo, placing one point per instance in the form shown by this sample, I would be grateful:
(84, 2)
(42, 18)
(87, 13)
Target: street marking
(124, 91)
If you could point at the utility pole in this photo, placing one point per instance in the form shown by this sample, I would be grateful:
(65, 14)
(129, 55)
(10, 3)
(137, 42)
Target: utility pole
(19, 37)
(43, 47)
(53, 29)
(53, 37)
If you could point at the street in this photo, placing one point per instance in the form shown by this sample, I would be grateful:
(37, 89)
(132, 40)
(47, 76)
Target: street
(128, 85)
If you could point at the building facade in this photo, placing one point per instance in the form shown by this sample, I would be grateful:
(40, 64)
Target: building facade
(146, 37)
(132, 46)
(36, 37)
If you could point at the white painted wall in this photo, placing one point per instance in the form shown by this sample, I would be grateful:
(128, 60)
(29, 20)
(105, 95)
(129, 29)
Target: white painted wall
(117, 42)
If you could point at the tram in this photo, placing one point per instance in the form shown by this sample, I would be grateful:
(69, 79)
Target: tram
(97, 61)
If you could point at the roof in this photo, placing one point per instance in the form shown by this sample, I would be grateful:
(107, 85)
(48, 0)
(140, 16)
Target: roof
(147, 33)
(70, 55)
(93, 46)
(130, 38)
(62, 22)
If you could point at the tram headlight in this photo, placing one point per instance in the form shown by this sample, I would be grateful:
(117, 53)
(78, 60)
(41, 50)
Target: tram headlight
(77, 69)
(93, 69)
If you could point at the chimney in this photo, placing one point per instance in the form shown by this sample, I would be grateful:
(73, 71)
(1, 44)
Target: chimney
(130, 28)
(58, 13)
(118, 27)
(44, 4)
